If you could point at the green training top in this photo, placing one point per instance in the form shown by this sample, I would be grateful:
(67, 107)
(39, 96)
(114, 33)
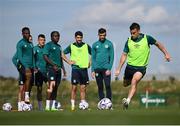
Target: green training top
(102, 55)
(25, 53)
(40, 63)
(53, 51)
(15, 60)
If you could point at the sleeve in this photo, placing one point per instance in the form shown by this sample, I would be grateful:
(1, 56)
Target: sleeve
(151, 40)
(126, 49)
(111, 51)
(93, 56)
(89, 49)
(46, 50)
(14, 60)
(67, 50)
(34, 57)
(19, 54)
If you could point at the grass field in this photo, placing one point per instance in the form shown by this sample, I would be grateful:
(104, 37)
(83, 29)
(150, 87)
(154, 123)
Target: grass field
(136, 114)
(160, 116)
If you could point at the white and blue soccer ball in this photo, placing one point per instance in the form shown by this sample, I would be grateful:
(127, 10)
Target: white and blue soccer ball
(104, 104)
(7, 107)
(83, 105)
(58, 105)
(26, 107)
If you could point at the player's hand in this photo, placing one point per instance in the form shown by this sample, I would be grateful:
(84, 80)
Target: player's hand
(117, 72)
(168, 57)
(55, 68)
(93, 75)
(108, 72)
(72, 62)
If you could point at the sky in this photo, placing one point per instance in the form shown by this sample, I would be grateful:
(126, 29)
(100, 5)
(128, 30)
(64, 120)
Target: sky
(158, 18)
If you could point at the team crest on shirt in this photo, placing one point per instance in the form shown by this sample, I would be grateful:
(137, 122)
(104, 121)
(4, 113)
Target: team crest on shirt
(54, 48)
(37, 50)
(52, 78)
(136, 45)
(25, 45)
(106, 46)
(96, 74)
(97, 47)
(74, 81)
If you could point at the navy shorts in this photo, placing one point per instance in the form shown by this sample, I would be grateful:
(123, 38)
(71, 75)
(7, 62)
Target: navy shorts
(130, 71)
(54, 75)
(22, 77)
(40, 77)
(79, 76)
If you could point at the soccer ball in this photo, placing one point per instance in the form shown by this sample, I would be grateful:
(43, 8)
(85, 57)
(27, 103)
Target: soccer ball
(104, 103)
(26, 107)
(57, 105)
(83, 105)
(7, 107)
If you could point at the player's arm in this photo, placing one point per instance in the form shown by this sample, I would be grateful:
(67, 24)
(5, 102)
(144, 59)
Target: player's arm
(122, 59)
(66, 59)
(90, 61)
(163, 49)
(121, 63)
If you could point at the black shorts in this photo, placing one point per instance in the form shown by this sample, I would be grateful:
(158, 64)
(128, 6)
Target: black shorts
(54, 75)
(40, 77)
(22, 77)
(79, 76)
(130, 71)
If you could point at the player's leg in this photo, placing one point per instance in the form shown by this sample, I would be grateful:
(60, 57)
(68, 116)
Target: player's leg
(84, 81)
(128, 75)
(39, 78)
(107, 80)
(74, 82)
(99, 81)
(73, 96)
(55, 89)
(28, 75)
(51, 84)
(135, 80)
(21, 90)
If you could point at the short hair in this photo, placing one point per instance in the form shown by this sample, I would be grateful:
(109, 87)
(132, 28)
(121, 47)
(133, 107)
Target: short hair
(79, 33)
(41, 35)
(101, 30)
(25, 28)
(134, 26)
(53, 32)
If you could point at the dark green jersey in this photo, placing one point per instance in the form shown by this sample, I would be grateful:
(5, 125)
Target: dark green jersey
(40, 63)
(102, 55)
(68, 50)
(25, 53)
(15, 59)
(53, 51)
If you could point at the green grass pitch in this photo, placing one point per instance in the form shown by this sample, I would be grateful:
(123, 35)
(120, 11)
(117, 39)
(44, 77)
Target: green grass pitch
(135, 116)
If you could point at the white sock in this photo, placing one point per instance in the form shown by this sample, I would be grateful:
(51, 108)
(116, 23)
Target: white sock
(47, 103)
(27, 94)
(128, 100)
(72, 102)
(53, 103)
